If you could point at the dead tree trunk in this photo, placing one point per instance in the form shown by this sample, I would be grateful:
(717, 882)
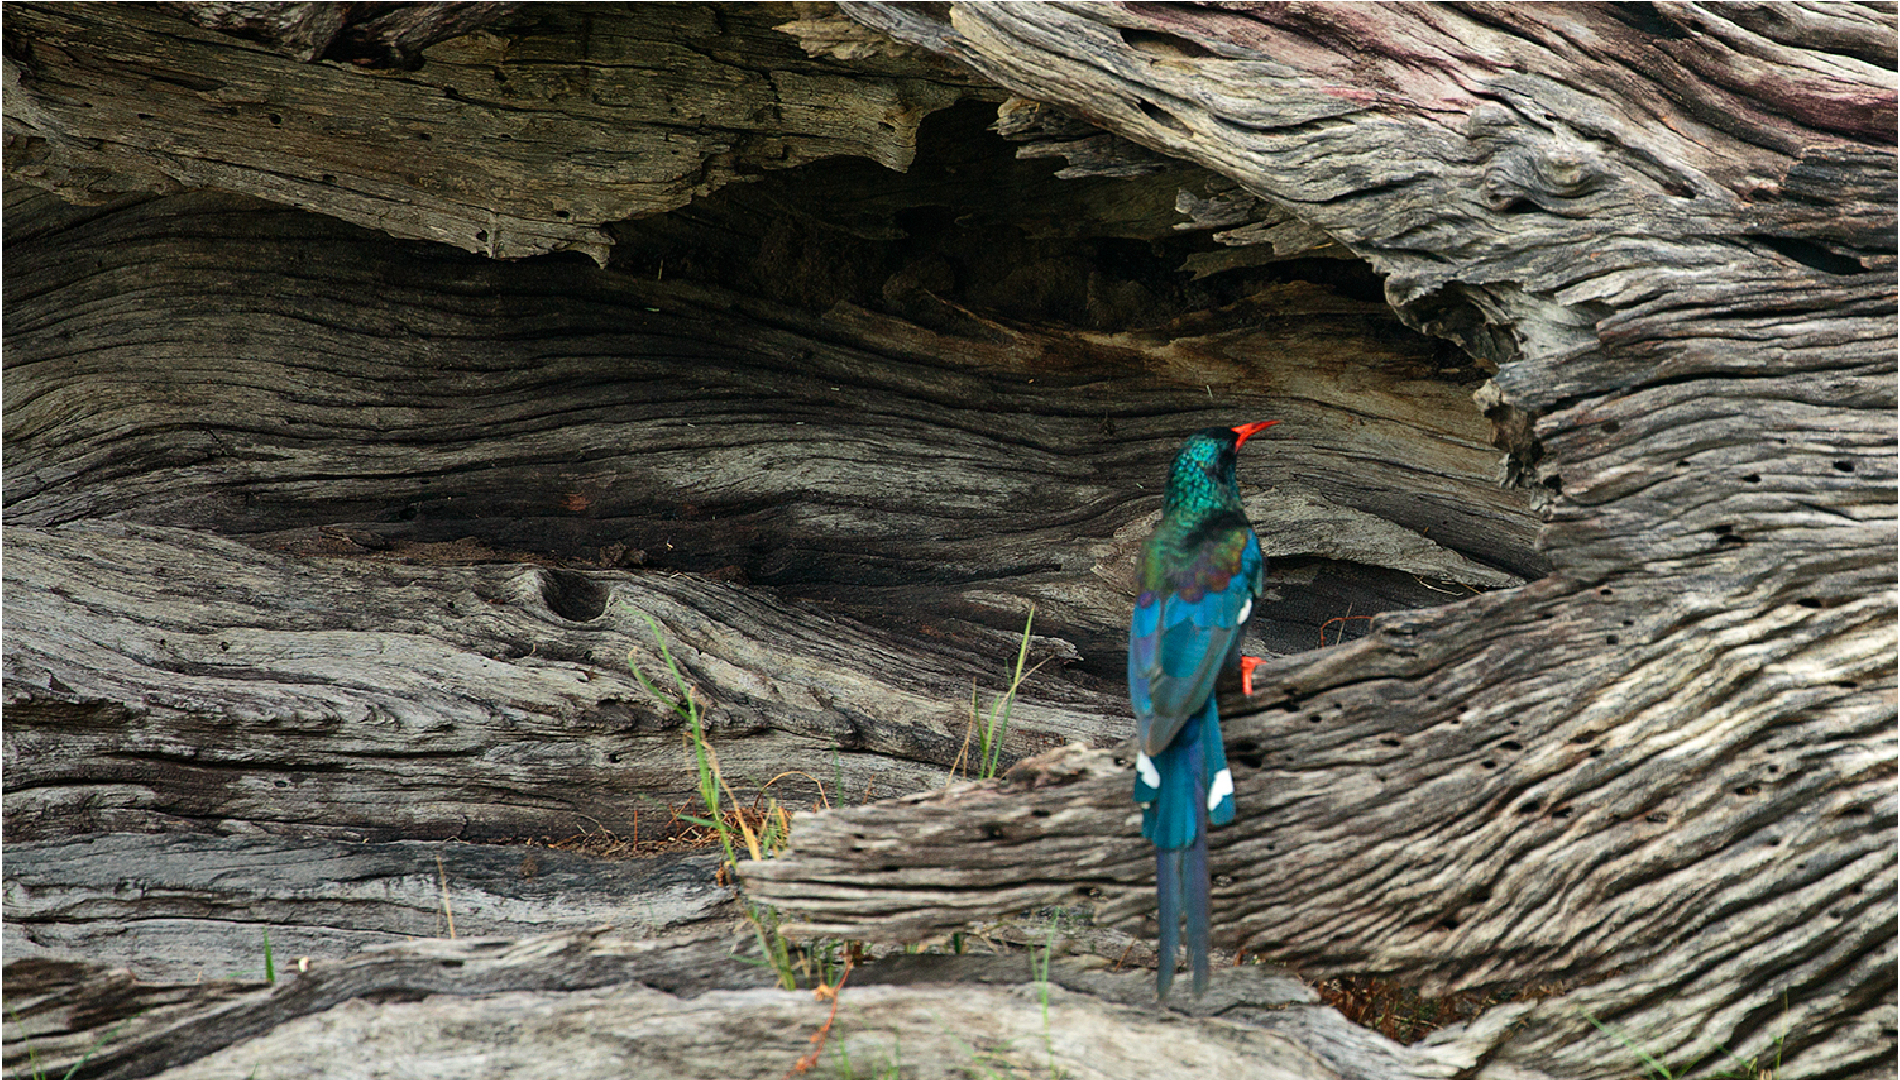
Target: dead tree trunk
(372, 381)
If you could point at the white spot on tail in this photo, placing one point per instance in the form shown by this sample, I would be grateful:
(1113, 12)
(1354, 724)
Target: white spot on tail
(1222, 787)
(1145, 768)
(1246, 609)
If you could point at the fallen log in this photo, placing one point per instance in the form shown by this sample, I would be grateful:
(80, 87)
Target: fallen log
(594, 1004)
(185, 907)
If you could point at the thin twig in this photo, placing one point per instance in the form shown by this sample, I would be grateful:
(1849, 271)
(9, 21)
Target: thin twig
(968, 733)
(806, 1063)
(792, 772)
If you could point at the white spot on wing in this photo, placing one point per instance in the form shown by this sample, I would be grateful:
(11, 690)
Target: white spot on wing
(1145, 768)
(1246, 609)
(1222, 787)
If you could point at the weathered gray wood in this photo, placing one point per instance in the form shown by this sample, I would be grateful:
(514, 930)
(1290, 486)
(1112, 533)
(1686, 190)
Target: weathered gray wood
(164, 678)
(604, 438)
(290, 435)
(356, 33)
(600, 1005)
(1664, 770)
(579, 116)
(62, 1012)
(185, 908)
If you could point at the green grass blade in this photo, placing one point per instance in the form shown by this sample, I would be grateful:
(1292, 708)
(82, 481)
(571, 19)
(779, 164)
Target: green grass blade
(96, 1046)
(1649, 1061)
(990, 754)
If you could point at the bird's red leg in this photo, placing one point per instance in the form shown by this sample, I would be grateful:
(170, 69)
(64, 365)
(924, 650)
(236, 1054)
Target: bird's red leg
(1247, 664)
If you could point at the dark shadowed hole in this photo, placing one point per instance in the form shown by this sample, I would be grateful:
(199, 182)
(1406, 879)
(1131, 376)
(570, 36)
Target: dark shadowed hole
(1168, 45)
(1644, 17)
(1163, 117)
(1811, 255)
(574, 597)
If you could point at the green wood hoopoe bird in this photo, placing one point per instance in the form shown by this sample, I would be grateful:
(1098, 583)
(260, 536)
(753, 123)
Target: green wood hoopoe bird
(1200, 572)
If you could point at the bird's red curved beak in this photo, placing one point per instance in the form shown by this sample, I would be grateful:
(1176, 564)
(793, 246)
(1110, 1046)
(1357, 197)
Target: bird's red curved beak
(1247, 431)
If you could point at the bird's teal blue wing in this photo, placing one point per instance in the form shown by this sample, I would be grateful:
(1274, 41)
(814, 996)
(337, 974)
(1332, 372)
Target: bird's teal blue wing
(1185, 625)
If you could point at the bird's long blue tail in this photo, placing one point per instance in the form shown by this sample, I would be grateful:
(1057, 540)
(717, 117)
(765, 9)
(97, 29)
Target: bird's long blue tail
(1181, 883)
(1174, 789)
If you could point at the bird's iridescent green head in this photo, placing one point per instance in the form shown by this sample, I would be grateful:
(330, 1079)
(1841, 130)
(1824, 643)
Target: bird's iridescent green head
(1202, 479)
